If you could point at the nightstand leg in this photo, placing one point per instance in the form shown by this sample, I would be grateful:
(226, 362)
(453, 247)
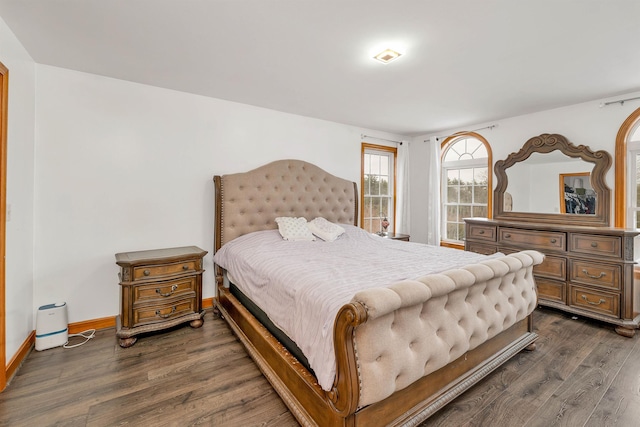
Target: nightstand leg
(196, 323)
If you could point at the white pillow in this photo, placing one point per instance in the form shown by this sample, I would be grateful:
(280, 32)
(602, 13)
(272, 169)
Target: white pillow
(291, 228)
(325, 230)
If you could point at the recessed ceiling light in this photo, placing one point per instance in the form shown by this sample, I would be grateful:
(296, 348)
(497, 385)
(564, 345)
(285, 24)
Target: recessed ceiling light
(387, 56)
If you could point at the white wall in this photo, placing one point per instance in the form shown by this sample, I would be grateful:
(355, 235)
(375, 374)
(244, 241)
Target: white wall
(122, 166)
(583, 124)
(20, 169)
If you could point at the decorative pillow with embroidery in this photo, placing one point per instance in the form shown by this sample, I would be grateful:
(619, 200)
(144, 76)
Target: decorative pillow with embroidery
(291, 228)
(324, 229)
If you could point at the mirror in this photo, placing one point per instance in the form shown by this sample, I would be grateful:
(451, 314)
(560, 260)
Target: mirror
(552, 180)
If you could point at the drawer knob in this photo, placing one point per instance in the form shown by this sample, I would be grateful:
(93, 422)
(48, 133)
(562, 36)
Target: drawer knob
(164, 316)
(146, 272)
(185, 267)
(584, 297)
(481, 232)
(507, 235)
(600, 276)
(594, 244)
(173, 289)
(553, 240)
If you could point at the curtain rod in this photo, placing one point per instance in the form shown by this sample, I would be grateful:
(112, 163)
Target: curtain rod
(363, 136)
(621, 102)
(438, 138)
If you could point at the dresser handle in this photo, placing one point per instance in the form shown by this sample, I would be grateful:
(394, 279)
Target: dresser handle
(506, 236)
(594, 245)
(586, 273)
(584, 297)
(185, 267)
(173, 289)
(481, 232)
(146, 272)
(164, 316)
(553, 240)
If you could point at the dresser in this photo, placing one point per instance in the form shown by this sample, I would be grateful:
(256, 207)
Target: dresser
(159, 289)
(588, 271)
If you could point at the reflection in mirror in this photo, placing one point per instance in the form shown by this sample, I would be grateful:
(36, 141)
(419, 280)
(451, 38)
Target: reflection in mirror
(576, 194)
(528, 185)
(533, 184)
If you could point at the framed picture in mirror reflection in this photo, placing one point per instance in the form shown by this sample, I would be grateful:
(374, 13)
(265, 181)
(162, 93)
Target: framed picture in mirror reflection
(576, 194)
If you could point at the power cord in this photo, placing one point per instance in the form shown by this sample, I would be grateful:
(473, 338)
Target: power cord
(87, 335)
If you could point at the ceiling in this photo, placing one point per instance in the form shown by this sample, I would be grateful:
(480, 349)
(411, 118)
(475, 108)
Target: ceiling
(466, 61)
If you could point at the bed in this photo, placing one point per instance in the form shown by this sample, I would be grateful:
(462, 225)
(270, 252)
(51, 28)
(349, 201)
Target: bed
(400, 350)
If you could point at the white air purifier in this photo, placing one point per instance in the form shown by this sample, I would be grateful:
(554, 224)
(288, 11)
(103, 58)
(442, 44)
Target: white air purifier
(52, 327)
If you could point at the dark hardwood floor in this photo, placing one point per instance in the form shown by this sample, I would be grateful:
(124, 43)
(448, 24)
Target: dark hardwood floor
(581, 374)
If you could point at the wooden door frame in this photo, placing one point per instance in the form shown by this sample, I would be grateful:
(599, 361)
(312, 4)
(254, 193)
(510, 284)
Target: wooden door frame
(4, 106)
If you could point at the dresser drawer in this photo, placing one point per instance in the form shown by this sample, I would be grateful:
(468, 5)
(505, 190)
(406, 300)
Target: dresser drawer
(152, 271)
(157, 313)
(480, 248)
(551, 290)
(595, 273)
(596, 301)
(156, 291)
(596, 245)
(552, 267)
(482, 232)
(532, 239)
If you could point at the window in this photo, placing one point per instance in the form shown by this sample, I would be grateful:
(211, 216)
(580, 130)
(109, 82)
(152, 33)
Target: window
(378, 188)
(627, 179)
(633, 180)
(466, 183)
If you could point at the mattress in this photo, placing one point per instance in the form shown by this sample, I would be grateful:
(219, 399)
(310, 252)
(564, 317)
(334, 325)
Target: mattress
(301, 285)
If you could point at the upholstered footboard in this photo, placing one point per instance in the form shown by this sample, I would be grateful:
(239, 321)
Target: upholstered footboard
(414, 328)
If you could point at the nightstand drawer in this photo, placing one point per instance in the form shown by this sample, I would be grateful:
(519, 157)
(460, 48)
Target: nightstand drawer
(162, 312)
(596, 301)
(532, 239)
(153, 271)
(593, 273)
(171, 288)
(596, 245)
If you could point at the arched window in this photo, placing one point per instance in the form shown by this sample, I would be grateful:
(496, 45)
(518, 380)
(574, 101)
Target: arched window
(627, 173)
(466, 187)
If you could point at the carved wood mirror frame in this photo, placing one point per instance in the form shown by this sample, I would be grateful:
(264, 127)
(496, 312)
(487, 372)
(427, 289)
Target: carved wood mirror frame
(547, 143)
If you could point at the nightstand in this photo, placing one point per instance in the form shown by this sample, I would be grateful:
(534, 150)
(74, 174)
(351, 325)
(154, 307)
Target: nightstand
(396, 236)
(159, 289)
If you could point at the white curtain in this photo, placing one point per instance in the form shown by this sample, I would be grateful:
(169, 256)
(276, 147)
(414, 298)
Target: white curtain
(433, 191)
(403, 225)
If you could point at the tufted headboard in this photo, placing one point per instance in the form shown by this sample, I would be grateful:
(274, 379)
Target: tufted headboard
(251, 201)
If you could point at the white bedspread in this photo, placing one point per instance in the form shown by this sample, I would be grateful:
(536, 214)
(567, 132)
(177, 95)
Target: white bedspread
(302, 285)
